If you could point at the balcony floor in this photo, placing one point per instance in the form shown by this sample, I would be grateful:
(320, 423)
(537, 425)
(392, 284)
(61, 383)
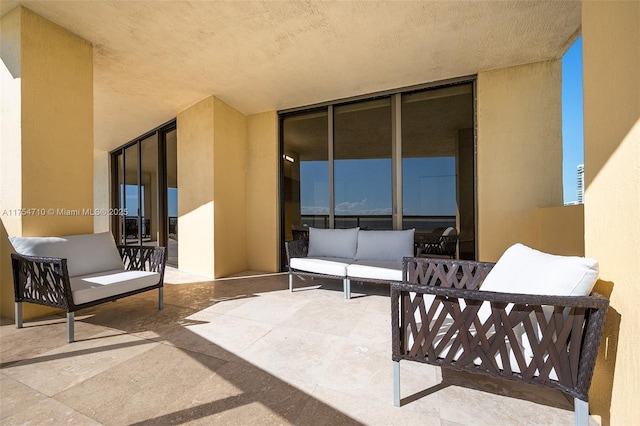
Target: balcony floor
(244, 351)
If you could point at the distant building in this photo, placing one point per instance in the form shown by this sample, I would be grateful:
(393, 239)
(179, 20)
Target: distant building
(580, 183)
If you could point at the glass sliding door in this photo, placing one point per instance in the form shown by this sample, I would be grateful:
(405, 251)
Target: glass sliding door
(438, 164)
(149, 206)
(362, 165)
(144, 188)
(401, 161)
(305, 173)
(130, 197)
(171, 138)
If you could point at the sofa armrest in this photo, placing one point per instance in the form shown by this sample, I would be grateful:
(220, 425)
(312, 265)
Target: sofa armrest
(41, 280)
(143, 258)
(297, 248)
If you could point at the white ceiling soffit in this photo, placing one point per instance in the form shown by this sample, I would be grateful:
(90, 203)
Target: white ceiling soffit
(153, 59)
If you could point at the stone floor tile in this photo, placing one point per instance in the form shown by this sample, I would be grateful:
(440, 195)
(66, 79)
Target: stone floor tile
(48, 412)
(54, 371)
(232, 334)
(40, 336)
(16, 398)
(360, 410)
(148, 386)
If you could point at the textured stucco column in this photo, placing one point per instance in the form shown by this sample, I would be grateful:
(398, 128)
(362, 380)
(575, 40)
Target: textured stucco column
(212, 189)
(519, 153)
(46, 174)
(263, 238)
(611, 61)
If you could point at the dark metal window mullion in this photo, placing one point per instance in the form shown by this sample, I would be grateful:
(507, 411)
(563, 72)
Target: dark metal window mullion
(330, 142)
(139, 143)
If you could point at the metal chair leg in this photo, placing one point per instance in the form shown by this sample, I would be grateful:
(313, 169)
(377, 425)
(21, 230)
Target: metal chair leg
(18, 315)
(396, 383)
(347, 288)
(70, 326)
(160, 298)
(581, 409)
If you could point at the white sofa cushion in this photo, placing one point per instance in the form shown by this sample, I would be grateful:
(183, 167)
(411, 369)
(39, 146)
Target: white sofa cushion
(390, 246)
(524, 270)
(90, 287)
(375, 269)
(321, 265)
(339, 243)
(85, 254)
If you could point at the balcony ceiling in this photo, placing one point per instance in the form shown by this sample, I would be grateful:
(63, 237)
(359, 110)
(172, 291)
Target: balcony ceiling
(155, 59)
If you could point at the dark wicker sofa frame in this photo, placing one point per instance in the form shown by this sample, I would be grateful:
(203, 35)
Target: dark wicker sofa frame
(565, 340)
(45, 281)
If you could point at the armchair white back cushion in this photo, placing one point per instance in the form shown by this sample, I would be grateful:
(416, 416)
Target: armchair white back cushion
(333, 242)
(524, 270)
(85, 254)
(389, 246)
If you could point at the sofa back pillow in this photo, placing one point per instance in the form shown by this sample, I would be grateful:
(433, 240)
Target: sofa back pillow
(333, 242)
(524, 270)
(389, 246)
(85, 254)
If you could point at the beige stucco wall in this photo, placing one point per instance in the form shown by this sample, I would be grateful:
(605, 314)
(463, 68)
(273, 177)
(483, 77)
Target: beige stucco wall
(10, 121)
(561, 230)
(101, 188)
(263, 237)
(195, 183)
(212, 167)
(519, 153)
(611, 61)
(229, 169)
(47, 147)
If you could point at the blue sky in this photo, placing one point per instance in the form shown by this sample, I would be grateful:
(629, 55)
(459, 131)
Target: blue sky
(572, 130)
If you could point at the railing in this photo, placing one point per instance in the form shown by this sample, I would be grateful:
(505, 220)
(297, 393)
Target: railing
(173, 225)
(420, 223)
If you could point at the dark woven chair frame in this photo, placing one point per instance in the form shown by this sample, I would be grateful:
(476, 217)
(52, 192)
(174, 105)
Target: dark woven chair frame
(45, 281)
(565, 338)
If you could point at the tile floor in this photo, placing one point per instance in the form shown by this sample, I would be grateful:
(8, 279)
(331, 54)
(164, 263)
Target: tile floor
(244, 351)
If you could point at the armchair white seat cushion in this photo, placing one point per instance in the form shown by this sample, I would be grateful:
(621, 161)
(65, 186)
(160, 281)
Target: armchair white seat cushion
(90, 287)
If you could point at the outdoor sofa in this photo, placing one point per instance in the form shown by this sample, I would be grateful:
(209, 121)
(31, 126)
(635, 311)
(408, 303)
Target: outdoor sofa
(79, 271)
(350, 254)
(531, 317)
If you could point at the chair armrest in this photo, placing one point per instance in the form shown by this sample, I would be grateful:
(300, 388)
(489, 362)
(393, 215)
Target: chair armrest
(297, 248)
(445, 272)
(143, 258)
(41, 280)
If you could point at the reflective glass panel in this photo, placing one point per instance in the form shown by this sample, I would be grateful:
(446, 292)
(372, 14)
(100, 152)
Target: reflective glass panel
(438, 165)
(172, 197)
(305, 170)
(362, 165)
(130, 196)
